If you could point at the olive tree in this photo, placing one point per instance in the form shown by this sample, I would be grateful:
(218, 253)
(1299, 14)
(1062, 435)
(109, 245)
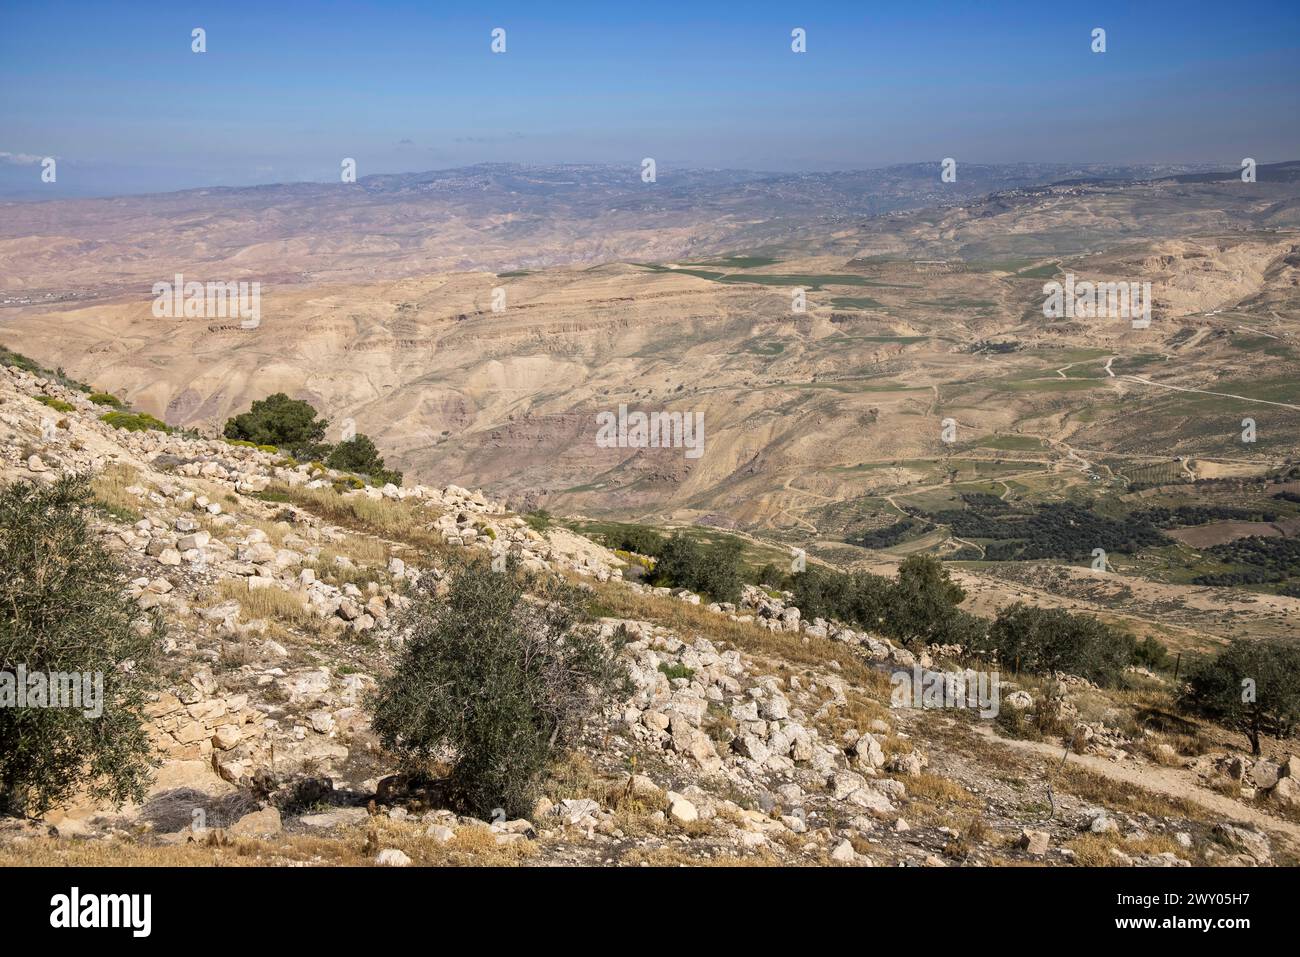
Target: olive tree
(67, 625)
(497, 675)
(1252, 686)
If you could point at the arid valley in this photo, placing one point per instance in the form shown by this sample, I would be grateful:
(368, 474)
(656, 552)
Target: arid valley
(645, 439)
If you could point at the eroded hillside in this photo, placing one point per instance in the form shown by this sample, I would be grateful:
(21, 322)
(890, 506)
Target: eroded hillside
(749, 734)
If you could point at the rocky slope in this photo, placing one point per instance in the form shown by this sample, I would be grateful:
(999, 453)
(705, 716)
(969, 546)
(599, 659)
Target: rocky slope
(751, 734)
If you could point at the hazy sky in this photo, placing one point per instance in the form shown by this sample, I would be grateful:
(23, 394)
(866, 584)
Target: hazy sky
(287, 89)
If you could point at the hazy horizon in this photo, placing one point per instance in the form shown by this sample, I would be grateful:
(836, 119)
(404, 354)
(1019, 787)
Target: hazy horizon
(116, 96)
(17, 191)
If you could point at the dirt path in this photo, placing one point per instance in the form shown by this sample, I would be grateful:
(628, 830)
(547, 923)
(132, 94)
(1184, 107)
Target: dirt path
(1222, 395)
(1171, 782)
(1084, 465)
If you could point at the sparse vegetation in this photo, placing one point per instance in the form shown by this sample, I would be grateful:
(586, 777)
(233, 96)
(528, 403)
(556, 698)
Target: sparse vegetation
(66, 615)
(539, 521)
(402, 519)
(281, 422)
(19, 361)
(1047, 640)
(1252, 687)
(134, 421)
(500, 679)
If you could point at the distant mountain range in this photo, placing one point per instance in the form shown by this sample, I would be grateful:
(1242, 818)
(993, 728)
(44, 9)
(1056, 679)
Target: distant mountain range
(492, 217)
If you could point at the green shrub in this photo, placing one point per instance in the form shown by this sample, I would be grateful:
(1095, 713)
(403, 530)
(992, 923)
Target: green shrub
(105, 398)
(1152, 655)
(822, 593)
(134, 421)
(636, 538)
(1044, 640)
(681, 562)
(358, 454)
(500, 680)
(270, 449)
(676, 671)
(281, 422)
(65, 611)
(539, 521)
(772, 577)
(1252, 686)
(918, 608)
(58, 405)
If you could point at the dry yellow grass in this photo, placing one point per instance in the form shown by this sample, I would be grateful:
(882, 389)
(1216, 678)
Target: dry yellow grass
(675, 857)
(856, 714)
(1094, 850)
(358, 548)
(110, 489)
(272, 604)
(471, 847)
(275, 531)
(779, 647)
(938, 790)
(575, 777)
(405, 521)
(1122, 796)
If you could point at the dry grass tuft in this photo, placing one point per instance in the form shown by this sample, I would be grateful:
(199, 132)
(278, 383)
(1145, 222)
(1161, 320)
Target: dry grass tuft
(1122, 796)
(271, 604)
(1094, 850)
(689, 621)
(940, 790)
(405, 521)
(471, 847)
(110, 488)
(675, 857)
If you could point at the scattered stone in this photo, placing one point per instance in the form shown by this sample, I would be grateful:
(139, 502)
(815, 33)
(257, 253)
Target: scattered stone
(440, 833)
(1035, 842)
(259, 823)
(844, 853)
(680, 809)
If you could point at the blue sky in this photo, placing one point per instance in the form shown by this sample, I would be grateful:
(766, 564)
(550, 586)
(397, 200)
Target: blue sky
(287, 88)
